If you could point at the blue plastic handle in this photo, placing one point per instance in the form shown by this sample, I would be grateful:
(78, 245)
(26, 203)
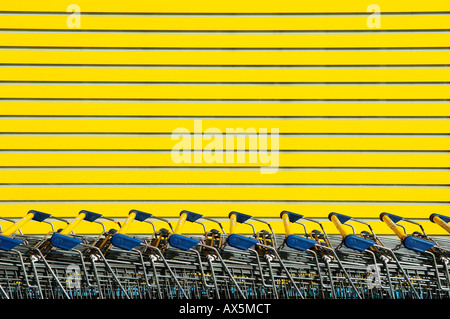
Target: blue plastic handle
(140, 216)
(190, 216)
(240, 218)
(394, 218)
(90, 216)
(293, 217)
(340, 217)
(39, 216)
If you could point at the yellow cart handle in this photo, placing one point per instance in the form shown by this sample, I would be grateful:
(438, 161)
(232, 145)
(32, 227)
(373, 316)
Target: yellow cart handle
(288, 218)
(235, 218)
(441, 220)
(338, 221)
(391, 222)
(31, 215)
(186, 215)
(14, 228)
(82, 215)
(74, 223)
(127, 223)
(132, 216)
(286, 224)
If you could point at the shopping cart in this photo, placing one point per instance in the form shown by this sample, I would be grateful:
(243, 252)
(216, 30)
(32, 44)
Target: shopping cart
(428, 259)
(24, 272)
(367, 254)
(314, 250)
(166, 263)
(207, 275)
(145, 252)
(85, 270)
(255, 259)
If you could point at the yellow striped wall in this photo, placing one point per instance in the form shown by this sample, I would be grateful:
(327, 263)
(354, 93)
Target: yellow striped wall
(87, 111)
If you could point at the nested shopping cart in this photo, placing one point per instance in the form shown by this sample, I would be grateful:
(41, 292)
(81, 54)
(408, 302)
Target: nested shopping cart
(244, 263)
(311, 253)
(199, 261)
(372, 264)
(255, 260)
(80, 264)
(151, 275)
(24, 271)
(427, 259)
(171, 264)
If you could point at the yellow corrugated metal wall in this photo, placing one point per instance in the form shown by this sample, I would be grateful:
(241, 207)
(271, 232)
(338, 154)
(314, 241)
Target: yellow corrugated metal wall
(91, 92)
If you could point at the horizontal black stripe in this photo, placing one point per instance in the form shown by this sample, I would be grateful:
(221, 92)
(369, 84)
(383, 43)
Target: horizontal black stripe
(168, 151)
(225, 202)
(168, 133)
(262, 83)
(229, 14)
(215, 117)
(220, 167)
(230, 31)
(220, 100)
(355, 185)
(284, 151)
(233, 66)
(423, 152)
(233, 49)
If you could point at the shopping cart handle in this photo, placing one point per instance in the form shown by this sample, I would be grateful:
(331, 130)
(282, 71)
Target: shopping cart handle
(435, 216)
(190, 216)
(140, 216)
(288, 218)
(394, 218)
(186, 215)
(182, 242)
(411, 242)
(340, 217)
(235, 218)
(338, 221)
(90, 216)
(293, 217)
(31, 215)
(125, 242)
(76, 221)
(391, 221)
(299, 243)
(441, 220)
(240, 218)
(64, 242)
(8, 243)
(39, 216)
